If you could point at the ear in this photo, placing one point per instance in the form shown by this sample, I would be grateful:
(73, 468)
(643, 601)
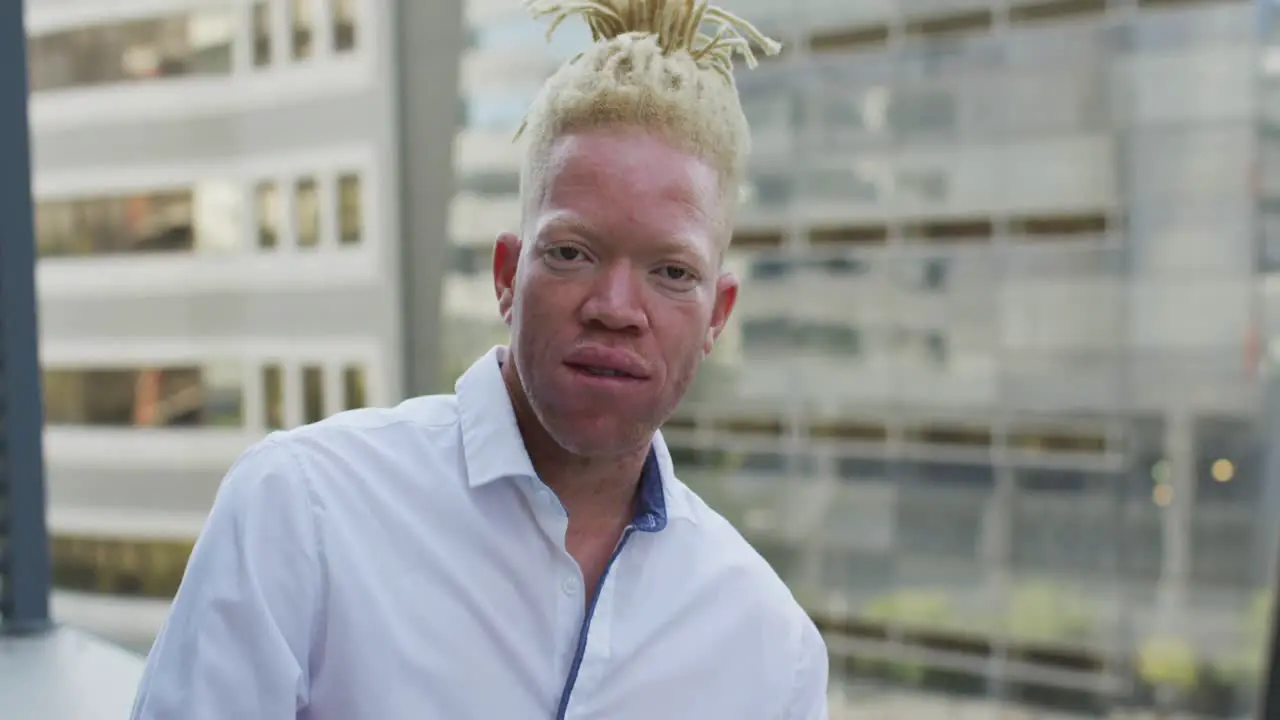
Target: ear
(726, 297)
(506, 260)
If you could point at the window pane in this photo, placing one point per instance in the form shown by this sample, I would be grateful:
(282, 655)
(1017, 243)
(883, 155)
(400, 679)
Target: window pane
(344, 25)
(261, 34)
(308, 207)
(195, 43)
(353, 388)
(204, 218)
(490, 184)
(312, 394)
(302, 15)
(273, 397)
(350, 217)
(145, 397)
(268, 215)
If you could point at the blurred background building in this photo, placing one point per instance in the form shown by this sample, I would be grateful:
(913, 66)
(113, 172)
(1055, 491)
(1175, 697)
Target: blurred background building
(997, 400)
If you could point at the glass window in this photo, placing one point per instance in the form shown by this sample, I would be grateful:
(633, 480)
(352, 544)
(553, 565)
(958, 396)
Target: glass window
(178, 396)
(350, 217)
(202, 218)
(1185, 29)
(261, 34)
(302, 18)
(923, 113)
(268, 200)
(119, 566)
(517, 32)
(470, 259)
(490, 184)
(850, 99)
(312, 394)
(770, 98)
(307, 205)
(218, 213)
(187, 44)
(866, 182)
(344, 25)
(1191, 160)
(354, 392)
(273, 397)
(1066, 101)
(498, 110)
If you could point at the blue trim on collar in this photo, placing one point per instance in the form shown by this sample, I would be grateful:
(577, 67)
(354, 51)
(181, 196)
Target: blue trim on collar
(651, 505)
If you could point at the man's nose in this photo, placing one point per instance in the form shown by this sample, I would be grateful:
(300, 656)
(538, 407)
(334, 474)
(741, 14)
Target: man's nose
(616, 301)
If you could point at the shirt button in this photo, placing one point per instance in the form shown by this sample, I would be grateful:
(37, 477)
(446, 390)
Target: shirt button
(570, 586)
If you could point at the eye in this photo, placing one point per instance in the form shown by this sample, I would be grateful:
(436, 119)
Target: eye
(676, 274)
(566, 254)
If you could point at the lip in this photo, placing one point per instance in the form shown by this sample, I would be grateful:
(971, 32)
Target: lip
(629, 367)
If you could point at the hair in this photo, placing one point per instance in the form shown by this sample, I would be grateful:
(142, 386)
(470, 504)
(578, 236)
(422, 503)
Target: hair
(650, 67)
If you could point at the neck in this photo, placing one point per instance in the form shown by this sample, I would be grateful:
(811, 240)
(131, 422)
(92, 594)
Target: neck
(591, 489)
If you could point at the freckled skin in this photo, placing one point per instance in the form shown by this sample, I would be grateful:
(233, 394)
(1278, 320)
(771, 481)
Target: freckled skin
(624, 254)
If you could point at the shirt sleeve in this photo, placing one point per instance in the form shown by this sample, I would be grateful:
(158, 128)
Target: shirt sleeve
(809, 691)
(238, 638)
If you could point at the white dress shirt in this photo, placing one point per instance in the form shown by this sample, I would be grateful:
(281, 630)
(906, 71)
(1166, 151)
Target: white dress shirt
(407, 563)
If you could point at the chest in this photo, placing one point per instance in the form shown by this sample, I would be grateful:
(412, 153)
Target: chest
(505, 629)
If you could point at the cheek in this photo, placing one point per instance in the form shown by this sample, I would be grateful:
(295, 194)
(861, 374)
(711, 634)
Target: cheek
(541, 312)
(685, 337)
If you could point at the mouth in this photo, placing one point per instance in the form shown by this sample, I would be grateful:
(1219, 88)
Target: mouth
(600, 364)
(601, 372)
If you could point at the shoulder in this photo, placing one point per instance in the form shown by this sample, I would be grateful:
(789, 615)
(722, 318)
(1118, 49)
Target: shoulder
(348, 450)
(734, 569)
(723, 551)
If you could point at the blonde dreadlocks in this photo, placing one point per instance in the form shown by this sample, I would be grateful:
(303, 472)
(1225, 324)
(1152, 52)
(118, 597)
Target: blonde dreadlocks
(652, 67)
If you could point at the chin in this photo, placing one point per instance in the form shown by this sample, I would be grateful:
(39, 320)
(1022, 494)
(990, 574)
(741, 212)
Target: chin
(599, 438)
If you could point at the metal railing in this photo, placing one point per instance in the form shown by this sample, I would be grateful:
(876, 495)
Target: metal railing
(24, 552)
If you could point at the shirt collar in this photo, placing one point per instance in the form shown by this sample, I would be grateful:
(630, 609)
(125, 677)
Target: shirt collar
(494, 450)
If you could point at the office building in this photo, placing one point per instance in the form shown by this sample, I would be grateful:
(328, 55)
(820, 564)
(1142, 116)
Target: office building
(220, 196)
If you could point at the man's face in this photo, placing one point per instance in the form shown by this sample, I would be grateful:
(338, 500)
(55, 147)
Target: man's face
(615, 294)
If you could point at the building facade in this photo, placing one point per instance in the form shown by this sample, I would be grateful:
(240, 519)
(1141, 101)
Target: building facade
(1003, 345)
(219, 208)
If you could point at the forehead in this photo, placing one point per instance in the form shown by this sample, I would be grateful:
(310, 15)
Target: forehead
(633, 187)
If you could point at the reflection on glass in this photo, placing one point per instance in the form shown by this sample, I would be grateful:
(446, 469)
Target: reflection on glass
(261, 34)
(490, 184)
(114, 565)
(498, 110)
(307, 204)
(350, 216)
(188, 44)
(177, 396)
(344, 25)
(219, 210)
(354, 395)
(515, 32)
(267, 197)
(772, 336)
(205, 218)
(312, 393)
(273, 397)
(302, 17)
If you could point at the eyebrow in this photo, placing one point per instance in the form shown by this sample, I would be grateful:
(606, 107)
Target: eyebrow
(564, 221)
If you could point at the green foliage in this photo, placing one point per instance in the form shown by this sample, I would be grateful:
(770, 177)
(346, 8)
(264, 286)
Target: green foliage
(1245, 666)
(1044, 612)
(907, 610)
(1168, 662)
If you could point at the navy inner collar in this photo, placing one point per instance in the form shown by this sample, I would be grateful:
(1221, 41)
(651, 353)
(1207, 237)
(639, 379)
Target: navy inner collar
(651, 504)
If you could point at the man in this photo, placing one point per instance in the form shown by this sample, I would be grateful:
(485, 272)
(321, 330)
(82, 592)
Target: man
(523, 549)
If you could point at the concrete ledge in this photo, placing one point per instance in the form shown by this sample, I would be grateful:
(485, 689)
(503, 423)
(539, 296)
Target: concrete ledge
(67, 675)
